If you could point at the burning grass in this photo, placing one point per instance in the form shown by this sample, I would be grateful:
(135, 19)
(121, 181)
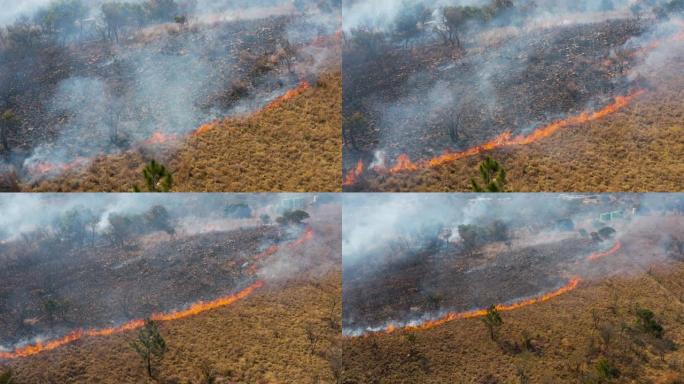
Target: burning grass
(563, 154)
(259, 339)
(642, 141)
(261, 333)
(292, 146)
(563, 336)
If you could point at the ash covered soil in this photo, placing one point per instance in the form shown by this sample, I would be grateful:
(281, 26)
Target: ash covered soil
(456, 100)
(261, 338)
(460, 102)
(436, 281)
(89, 114)
(564, 340)
(103, 286)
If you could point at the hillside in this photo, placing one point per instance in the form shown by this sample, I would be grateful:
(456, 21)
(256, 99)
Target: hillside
(642, 141)
(261, 339)
(293, 146)
(564, 333)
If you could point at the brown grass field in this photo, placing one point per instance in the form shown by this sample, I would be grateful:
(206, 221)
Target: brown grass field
(565, 334)
(260, 339)
(637, 149)
(263, 338)
(294, 147)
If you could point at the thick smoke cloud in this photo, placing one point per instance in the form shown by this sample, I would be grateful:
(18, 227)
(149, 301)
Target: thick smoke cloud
(161, 80)
(371, 222)
(469, 92)
(23, 213)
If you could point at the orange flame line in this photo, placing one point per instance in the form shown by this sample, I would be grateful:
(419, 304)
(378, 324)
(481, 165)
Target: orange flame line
(194, 309)
(403, 162)
(451, 316)
(301, 88)
(599, 255)
(571, 285)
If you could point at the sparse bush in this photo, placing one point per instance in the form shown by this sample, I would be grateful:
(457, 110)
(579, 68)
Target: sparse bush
(265, 219)
(292, 217)
(6, 376)
(8, 123)
(62, 17)
(411, 21)
(161, 10)
(157, 178)
(647, 322)
(238, 211)
(312, 336)
(368, 41)
(606, 232)
(606, 370)
(56, 310)
(352, 127)
(158, 218)
(492, 321)
(493, 177)
(150, 345)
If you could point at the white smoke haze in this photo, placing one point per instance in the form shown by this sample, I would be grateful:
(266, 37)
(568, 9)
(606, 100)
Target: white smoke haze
(219, 244)
(155, 83)
(568, 57)
(405, 249)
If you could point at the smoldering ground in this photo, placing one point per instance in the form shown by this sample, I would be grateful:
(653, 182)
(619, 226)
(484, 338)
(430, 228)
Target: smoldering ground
(95, 86)
(433, 95)
(408, 259)
(137, 255)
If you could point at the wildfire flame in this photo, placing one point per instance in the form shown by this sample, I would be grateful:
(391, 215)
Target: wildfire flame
(301, 88)
(352, 175)
(404, 163)
(204, 128)
(46, 168)
(572, 284)
(599, 255)
(159, 137)
(451, 316)
(194, 309)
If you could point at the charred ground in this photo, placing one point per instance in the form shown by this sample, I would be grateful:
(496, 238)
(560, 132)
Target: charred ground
(429, 97)
(572, 338)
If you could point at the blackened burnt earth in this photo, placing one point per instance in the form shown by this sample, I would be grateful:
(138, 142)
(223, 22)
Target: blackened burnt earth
(440, 280)
(102, 286)
(428, 99)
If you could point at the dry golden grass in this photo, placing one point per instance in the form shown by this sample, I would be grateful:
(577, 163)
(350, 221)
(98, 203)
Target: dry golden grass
(639, 149)
(261, 339)
(461, 351)
(293, 147)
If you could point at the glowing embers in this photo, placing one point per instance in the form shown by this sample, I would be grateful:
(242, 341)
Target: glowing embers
(194, 309)
(404, 163)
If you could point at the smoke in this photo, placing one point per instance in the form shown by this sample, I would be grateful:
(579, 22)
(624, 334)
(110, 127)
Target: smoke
(405, 263)
(219, 244)
(429, 98)
(163, 80)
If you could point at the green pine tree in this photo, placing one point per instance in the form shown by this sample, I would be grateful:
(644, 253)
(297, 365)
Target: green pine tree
(492, 321)
(157, 178)
(150, 345)
(493, 176)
